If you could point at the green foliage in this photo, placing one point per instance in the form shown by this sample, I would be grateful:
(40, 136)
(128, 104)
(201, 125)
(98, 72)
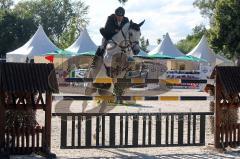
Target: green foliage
(144, 43)
(207, 7)
(15, 31)
(70, 35)
(225, 31)
(186, 45)
(159, 40)
(57, 17)
(62, 21)
(20, 118)
(119, 90)
(122, 1)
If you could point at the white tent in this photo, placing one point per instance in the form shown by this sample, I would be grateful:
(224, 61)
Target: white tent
(83, 44)
(202, 50)
(38, 45)
(220, 60)
(166, 48)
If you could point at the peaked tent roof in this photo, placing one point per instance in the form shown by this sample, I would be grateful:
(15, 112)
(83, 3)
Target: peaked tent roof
(221, 60)
(166, 48)
(142, 55)
(202, 50)
(39, 44)
(83, 44)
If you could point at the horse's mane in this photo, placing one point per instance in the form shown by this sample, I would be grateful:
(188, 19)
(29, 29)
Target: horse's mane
(126, 27)
(131, 25)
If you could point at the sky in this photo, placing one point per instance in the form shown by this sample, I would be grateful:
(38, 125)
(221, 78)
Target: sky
(177, 17)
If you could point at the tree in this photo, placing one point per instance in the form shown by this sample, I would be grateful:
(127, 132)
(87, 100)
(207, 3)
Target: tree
(159, 41)
(186, 45)
(122, 1)
(69, 35)
(225, 31)
(144, 44)
(15, 31)
(207, 7)
(57, 17)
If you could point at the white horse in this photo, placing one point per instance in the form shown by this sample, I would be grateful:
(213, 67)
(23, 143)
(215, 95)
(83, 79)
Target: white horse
(117, 58)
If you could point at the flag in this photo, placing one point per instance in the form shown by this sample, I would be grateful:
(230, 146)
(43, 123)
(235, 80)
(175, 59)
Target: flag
(50, 58)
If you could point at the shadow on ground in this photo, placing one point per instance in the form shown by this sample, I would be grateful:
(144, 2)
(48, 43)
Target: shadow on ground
(168, 156)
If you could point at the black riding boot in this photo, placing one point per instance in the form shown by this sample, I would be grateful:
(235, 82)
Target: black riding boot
(100, 51)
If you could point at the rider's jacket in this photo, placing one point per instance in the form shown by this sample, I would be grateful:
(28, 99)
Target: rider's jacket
(112, 27)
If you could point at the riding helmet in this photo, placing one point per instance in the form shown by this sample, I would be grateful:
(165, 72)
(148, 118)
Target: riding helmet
(120, 11)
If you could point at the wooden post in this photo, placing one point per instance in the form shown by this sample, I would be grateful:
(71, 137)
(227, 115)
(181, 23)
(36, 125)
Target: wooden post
(48, 116)
(217, 112)
(2, 122)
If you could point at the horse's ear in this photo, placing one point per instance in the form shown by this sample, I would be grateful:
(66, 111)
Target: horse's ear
(131, 22)
(140, 24)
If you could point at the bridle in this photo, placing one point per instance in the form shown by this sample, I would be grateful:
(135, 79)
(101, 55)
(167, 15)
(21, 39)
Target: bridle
(127, 42)
(126, 45)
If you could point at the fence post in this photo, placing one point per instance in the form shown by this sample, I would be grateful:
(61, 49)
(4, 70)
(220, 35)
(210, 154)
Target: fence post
(135, 130)
(112, 130)
(88, 130)
(48, 118)
(217, 113)
(63, 131)
(158, 129)
(180, 130)
(202, 129)
(2, 123)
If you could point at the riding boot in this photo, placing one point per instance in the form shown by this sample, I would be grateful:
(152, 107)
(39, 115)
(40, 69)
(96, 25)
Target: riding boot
(99, 51)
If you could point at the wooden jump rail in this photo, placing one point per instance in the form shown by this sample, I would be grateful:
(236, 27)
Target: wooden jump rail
(132, 129)
(137, 80)
(24, 140)
(133, 98)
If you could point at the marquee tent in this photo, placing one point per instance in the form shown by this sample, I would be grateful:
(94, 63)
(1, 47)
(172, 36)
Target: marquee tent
(83, 44)
(38, 45)
(203, 51)
(220, 60)
(166, 48)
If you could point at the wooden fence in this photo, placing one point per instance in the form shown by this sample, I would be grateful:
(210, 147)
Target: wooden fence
(24, 140)
(89, 130)
(230, 135)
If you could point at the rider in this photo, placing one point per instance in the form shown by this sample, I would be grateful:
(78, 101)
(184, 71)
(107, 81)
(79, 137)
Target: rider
(114, 24)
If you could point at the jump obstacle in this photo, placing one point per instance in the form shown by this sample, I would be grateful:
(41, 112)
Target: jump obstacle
(138, 80)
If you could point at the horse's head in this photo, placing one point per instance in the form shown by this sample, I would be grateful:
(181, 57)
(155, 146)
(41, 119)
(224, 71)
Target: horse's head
(121, 47)
(133, 32)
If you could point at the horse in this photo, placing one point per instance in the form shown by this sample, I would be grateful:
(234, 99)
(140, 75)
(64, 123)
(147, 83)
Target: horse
(115, 62)
(117, 59)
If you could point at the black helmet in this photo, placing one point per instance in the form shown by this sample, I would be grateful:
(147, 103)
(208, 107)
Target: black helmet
(120, 11)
